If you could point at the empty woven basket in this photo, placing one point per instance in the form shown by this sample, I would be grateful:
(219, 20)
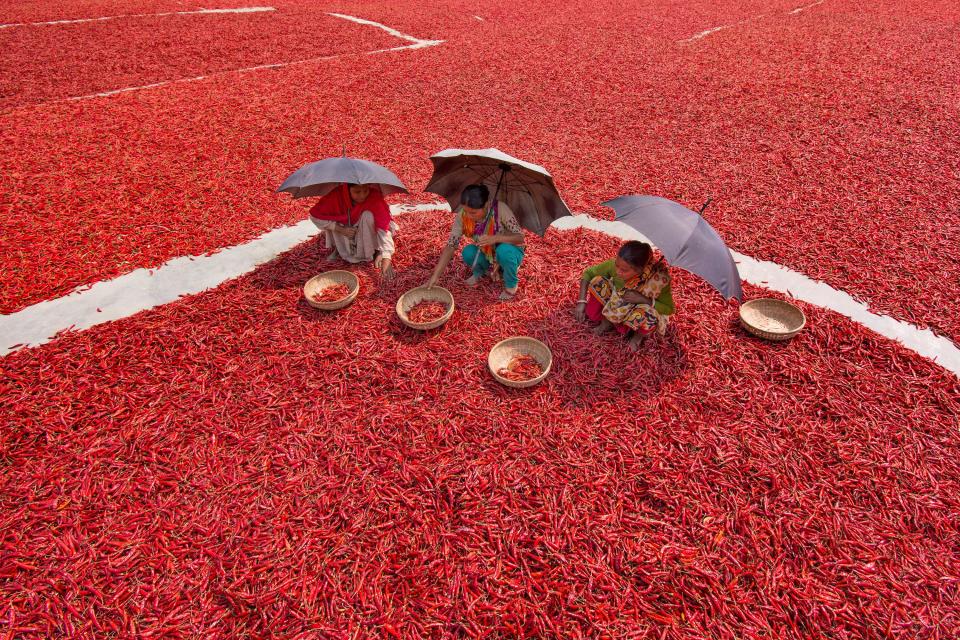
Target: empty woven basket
(772, 319)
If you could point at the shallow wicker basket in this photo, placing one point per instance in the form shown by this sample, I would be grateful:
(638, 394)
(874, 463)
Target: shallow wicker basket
(772, 319)
(327, 278)
(503, 352)
(415, 296)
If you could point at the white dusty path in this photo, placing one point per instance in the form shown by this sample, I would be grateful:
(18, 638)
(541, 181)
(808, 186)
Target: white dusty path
(145, 289)
(415, 43)
(199, 12)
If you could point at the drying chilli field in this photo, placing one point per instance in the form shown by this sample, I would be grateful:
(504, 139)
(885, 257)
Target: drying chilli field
(237, 464)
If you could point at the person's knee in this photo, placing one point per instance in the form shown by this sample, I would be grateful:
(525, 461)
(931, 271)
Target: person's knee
(468, 253)
(508, 254)
(366, 218)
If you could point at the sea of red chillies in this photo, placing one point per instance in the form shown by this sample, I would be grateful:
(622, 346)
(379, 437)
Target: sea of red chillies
(47, 63)
(238, 463)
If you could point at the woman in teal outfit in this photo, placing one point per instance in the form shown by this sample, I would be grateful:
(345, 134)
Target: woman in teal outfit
(497, 246)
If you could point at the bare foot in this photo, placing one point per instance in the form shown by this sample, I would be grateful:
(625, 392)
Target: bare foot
(472, 281)
(637, 340)
(602, 328)
(334, 256)
(508, 295)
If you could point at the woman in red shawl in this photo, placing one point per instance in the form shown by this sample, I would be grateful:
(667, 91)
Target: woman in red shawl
(356, 222)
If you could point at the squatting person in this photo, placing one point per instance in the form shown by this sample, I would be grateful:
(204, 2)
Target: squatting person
(629, 293)
(496, 240)
(357, 225)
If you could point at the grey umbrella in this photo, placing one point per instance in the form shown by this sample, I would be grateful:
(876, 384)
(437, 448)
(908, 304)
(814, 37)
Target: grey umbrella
(320, 178)
(684, 237)
(527, 188)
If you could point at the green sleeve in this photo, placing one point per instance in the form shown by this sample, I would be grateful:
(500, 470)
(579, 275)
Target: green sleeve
(664, 304)
(606, 269)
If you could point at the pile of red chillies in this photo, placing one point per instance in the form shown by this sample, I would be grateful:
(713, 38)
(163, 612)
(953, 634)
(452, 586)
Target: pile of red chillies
(520, 368)
(426, 311)
(331, 293)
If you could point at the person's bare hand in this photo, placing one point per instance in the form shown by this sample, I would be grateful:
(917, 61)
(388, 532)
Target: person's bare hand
(580, 313)
(634, 297)
(348, 232)
(486, 241)
(386, 269)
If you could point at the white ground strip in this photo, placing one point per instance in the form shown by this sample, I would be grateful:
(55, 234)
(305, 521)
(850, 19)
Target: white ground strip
(141, 15)
(417, 43)
(707, 32)
(798, 286)
(145, 289)
(807, 6)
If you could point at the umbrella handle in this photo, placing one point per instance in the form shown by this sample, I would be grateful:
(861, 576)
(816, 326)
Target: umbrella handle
(504, 167)
(349, 207)
(475, 258)
(705, 204)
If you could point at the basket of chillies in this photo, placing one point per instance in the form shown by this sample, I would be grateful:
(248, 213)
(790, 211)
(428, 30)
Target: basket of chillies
(331, 290)
(425, 308)
(520, 362)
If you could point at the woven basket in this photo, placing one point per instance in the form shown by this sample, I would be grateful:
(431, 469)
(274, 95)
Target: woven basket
(503, 352)
(415, 296)
(319, 282)
(772, 319)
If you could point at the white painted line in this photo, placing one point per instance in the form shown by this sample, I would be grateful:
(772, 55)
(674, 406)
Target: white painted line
(807, 6)
(417, 44)
(800, 287)
(390, 30)
(145, 289)
(478, 18)
(707, 32)
(141, 15)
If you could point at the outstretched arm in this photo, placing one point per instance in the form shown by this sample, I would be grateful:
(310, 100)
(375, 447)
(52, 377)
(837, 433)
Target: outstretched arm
(445, 256)
(581, 309)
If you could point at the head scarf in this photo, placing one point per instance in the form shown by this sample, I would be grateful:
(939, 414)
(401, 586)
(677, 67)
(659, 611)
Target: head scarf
(337, 206)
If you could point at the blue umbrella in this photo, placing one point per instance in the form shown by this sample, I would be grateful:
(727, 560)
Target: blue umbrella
(684, 238)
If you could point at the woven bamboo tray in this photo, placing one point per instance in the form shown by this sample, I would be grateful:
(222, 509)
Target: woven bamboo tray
(415, 296)
(319, 282)
(503, 352)
(772, 319)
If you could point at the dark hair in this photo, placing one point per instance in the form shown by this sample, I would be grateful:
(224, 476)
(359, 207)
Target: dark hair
(635, 253)
(475, 196)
